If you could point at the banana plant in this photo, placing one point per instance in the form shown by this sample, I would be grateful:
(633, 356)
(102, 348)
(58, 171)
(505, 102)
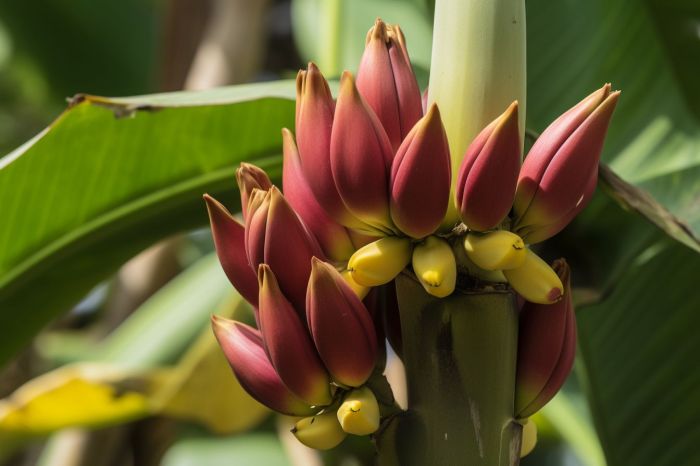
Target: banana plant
(400, 217)
(487, 327)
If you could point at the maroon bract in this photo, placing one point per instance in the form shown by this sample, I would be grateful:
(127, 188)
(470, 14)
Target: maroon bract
(546, 348)
(420, 178)
(243, 347)
(314, 121)
(489, 173)
(385, 79)
(340, 325)
(558, 176)
(229, 239)
(288, 344)
(333, 237)
(361, 157)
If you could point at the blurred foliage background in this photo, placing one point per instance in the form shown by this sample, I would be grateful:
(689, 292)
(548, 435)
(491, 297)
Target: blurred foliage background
(107, 278)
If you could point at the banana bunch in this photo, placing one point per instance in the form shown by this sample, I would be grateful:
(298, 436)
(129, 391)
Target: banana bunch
(357, 414)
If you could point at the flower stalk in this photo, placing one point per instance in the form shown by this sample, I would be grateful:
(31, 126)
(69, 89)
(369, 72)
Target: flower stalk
(478, 68)
(460, 357)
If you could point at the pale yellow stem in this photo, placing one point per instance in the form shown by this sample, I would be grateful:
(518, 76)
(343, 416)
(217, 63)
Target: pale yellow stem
(478, 66)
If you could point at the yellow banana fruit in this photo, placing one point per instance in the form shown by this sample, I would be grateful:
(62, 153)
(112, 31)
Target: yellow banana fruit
(321, 431)
(360, 290)
(529, 438)
(381, 261)
(496, 250)
(359, 413)
(535, 280)
(435, 266)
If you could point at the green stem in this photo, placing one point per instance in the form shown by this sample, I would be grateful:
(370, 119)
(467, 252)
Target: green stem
(329, 59)
(460, 356)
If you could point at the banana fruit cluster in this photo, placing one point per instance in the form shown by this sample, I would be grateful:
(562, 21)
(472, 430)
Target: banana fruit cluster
(434, 264)
(369, 192)
(357, 414)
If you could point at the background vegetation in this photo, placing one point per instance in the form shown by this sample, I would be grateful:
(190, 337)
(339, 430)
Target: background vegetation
(104, 178)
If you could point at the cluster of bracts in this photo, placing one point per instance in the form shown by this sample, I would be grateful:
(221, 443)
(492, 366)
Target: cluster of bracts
(368, 193)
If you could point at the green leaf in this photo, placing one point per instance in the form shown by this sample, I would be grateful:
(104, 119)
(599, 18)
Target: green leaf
(575, 428)
(640, 349)
(110, 177)
(638, 340)
(636, 199)
(252, 449)
(654, 139)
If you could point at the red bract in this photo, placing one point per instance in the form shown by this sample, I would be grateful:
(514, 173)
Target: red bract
(341, 326)
(255, 226)
(289, 345)
(243, 348)
(275, 235)
(556, 180)
(314, 121)
(333, 237)
(386, 81)
(420, 178)
(229, 239)
(360, 157)
(546, 348)
(489, 173)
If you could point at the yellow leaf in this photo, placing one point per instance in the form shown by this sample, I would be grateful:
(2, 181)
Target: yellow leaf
(200, 388)
(80, 395)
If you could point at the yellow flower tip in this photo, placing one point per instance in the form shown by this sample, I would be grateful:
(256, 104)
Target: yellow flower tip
(377, 32)
(433, 112)
(432, 278)
(359, 412)
(347, 84)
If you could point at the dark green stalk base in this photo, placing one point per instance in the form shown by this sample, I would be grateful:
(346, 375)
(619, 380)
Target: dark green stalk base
(460, 356)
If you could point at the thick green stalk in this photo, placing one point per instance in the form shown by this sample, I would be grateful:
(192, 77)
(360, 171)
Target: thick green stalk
(460, 356)
(478, 66)
(329, 57)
